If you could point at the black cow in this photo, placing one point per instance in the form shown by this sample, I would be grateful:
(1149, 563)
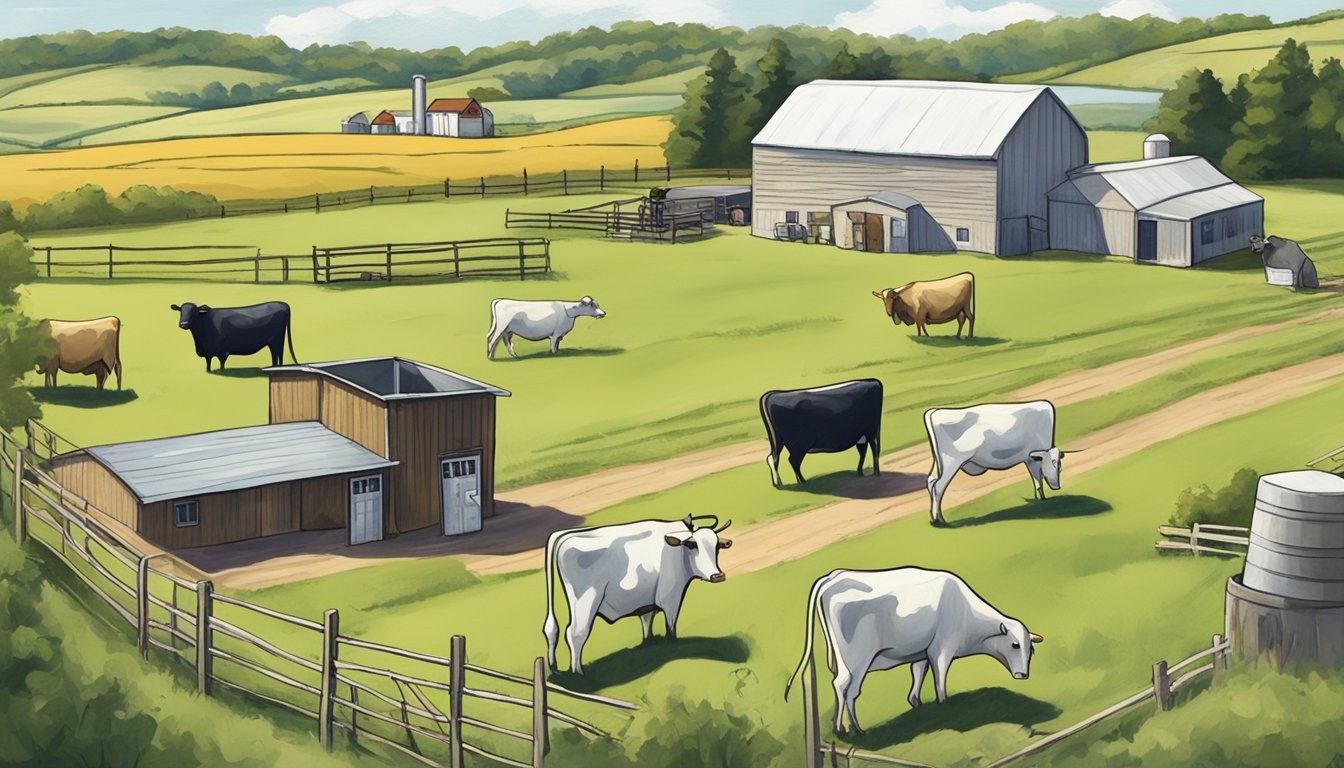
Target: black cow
(822, 420)
(238, 330)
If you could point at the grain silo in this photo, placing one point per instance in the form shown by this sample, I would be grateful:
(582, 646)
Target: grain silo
(1287, 606)
(418, 104)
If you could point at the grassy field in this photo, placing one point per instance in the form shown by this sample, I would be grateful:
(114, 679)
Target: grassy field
(673, 85)
(1227, 55)
(249, 167)
(130, 84)
(40, 126)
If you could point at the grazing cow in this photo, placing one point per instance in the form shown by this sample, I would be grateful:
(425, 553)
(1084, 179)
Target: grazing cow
(822, 420)
(237, 330)
(85, 346)
(992, 436)
(635, 569)
(932, 301)
(875, 620)
(1280, 254)
(535, 320)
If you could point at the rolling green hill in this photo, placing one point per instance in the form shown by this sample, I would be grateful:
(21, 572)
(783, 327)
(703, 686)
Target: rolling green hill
(129, 84)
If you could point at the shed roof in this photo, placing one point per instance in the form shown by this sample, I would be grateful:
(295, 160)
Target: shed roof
(233, 459)
(887, 198)
(1180, 187)
(384, 118)
(1205, 201)
(708, 190)
(393, 378)
(358, 117)
(450, 105)
(901, 117)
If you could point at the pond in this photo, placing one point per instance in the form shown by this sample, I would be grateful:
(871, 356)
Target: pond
(1073, 95)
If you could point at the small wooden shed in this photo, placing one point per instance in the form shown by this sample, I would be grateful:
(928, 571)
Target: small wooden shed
(378, 447)
(887, 222)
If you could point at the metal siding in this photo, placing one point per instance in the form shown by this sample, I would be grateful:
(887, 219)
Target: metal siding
(1173, 243)
(956, 192)
(1122, 230)
(1247, 220)
(358, 416)
(83, 475)
(1042, 148)
(423, 431)
(1076, 227)
(294, 397)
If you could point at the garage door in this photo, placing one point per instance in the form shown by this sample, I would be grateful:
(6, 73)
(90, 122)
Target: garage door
(366, 509)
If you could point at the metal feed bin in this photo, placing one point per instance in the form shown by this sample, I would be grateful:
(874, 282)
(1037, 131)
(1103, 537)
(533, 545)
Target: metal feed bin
(1288, 604)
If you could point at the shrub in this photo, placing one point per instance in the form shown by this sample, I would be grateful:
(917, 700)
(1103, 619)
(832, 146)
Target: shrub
(90, 206)
(8, 221)
(1232, 504)
(485, 93)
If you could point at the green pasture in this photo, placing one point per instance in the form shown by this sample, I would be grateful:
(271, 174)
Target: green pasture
(673, 84)
(129, 83)
(40, 126)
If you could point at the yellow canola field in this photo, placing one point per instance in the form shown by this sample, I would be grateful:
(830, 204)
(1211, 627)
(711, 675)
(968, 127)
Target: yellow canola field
(290, 165)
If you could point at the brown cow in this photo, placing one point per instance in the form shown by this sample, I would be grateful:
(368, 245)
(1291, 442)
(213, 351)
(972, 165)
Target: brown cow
(932, 301)
(85, 346)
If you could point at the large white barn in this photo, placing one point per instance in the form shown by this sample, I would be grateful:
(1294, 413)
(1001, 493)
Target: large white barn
(979, 159)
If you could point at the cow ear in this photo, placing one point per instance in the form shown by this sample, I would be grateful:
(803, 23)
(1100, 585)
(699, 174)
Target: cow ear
(672, 541)
(878, 294)
(1003, 629)
(203, 308)
(175, 308)
(725, 543)
(1035, 638)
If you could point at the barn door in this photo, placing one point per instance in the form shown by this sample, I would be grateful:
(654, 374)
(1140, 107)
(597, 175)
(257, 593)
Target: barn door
(366, 509)
(873, 236)
(900, 239)
(461, 478)
(1147, 240)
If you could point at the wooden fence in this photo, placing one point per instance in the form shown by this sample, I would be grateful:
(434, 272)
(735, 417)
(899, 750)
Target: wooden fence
(1164, 689)
(670, 228)
(432, 708)
(1234, 535)
(445, 260)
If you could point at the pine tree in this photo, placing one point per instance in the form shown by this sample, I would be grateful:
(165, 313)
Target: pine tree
(779, 81)
(713, 123)
(1197, 116)
(842, 66)
(1273, 139)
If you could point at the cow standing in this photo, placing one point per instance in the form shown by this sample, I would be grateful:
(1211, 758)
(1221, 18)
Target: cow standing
(634, 569)
(822, 420)
(932, 301)
(535, 320)
(91, 347)
(220, 333)
(876, 620)
(991, 436)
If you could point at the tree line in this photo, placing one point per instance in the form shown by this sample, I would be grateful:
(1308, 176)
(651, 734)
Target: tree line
(1285, 120)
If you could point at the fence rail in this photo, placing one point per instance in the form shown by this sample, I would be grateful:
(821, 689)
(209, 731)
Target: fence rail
(1203, 532)
(408, 701)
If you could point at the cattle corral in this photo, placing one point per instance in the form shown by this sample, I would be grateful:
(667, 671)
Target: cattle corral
(678, 366)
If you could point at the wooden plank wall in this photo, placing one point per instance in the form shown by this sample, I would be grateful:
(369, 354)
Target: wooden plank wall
(294, 397)
(422, 431)
(360, 417)
(82, 474)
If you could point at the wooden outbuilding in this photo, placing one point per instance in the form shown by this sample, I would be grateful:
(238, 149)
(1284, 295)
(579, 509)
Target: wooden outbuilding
(378, 447)
(887, 222)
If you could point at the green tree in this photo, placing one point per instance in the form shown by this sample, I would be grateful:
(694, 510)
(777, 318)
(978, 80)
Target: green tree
(778, 81)
(485, 93)
(23, 342)
(240, 93)
(8, 221)
(875, 64)
(1197, 116)
(713, 123)
(1274, 138)
(1325, 118)
(214, 94)
(843, 65)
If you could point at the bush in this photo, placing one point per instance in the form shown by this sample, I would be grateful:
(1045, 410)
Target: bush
(90, 206)
(484, 93)
(1233, 504)
(8, 221)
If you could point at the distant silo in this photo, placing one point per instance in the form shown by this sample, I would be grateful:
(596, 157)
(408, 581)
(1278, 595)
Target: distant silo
(418, 103)
(1156, 146)
(1288, 604)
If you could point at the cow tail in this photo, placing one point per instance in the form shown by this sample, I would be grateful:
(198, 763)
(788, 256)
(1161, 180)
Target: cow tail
(289, 337)
(494, 320)
(552, 544)
(810, 618)
(933, 442)
(769, 426)
(972, 297)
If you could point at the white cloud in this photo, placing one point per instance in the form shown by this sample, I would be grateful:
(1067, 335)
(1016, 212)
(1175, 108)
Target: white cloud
(343, 22)
(887, 17)
(1133, 9)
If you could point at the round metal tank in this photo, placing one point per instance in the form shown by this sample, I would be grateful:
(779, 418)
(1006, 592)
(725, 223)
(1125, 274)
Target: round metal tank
(1155, 146)
(1297, 537)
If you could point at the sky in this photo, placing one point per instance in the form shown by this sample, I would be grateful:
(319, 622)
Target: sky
(423, 24)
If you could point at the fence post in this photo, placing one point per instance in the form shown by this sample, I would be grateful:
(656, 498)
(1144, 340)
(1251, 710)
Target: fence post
(370, 195)
(284, 269)
(448, 187)
(256, 267)
(457, 262)
(142, 607)
(331, 627)
(522, 261)
(546, 249)
(328, 266)
(109, 261)
(602, 179)
(1162, 685)
(286, 206)
(456, 680)
(564, 178)
(20, 519)
(389, 262)
(668, 168)
(636, 170)
(315, 280)
(482, 186)
(205, 662)
(541, 735)
(1194, 538)
(811, 718)
(48, 261)
(221, 212)
(524, 182)
(730, 174)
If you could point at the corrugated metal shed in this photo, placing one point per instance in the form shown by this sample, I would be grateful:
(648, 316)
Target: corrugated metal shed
(1197, 204)
(233, 459)
(901, 117)
(1176, 187)
(392, 378)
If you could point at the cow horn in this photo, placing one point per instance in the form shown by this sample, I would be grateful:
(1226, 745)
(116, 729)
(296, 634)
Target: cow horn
(724, 527)
(713, 518)
(1035, 638)
(689, 523)
(1072, 450)
(878, 294)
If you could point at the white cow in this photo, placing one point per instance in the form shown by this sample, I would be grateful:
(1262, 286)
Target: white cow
(875, 620)
(535, 320)
(991, 436)
(635, 569)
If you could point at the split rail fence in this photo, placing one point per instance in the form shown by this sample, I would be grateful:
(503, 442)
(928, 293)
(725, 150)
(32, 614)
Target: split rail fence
(445, 260)
(1225, 535)
(432, 708)
(1164, 689)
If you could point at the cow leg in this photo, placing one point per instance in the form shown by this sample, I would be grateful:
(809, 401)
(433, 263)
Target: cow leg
(555, 344)
(863, 454)
(1037, 486)
(582, 614)
(100, 378)
(941, 664)
(937, 487)
(508, 342)
(491, 342)
(772, 461)
(796, 461)
(207, 364)
(961, 320)
(222, 360)
(670, 615)
(646, 625)
(917, 672)
(875, 440)
(278, 352)
(118, 375)
(971, 333)
(551, 630)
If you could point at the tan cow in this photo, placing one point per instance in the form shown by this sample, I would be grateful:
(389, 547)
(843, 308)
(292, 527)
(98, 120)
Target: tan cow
(932, 301)
(85, 346)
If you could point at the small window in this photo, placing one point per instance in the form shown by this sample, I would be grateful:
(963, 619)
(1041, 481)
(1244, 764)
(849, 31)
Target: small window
(897, 228)
(963, 235)
(791, 217)
(1229, 227)
(186, 514)
(1206, 232)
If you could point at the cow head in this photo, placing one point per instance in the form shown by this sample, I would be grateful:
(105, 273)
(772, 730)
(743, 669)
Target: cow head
(700, 548)
(586, 307)
(1047, 462)
(188, 314)
(897, 304)
(1257, 243)
(1013, 646)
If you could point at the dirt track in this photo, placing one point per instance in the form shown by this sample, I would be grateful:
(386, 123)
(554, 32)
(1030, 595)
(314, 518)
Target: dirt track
(512, 539)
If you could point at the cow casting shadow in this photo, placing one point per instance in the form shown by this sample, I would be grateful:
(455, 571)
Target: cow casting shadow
(543, 353)
(848, 486)
(630, 664)
(240, 373)
(82, 397)
(961, 712)
(1050, 508)
(953, 341)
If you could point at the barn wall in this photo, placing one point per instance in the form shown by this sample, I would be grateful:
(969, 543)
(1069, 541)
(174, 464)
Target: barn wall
(1037, 155)
(1076, 227)
(349, 412)
(956, 192)
(421, 432)
(1173, 243)
(294, 397)
(1241, 223)
(95, 483)
(844, 228)
(1122, 232)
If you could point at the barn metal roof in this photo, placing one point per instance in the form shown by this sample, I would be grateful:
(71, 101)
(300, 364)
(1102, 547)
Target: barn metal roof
(1197, 204)
(394, 378)
(1175, 187)
(708, 190)
(888, 198)
(901, 117)
(233, 459)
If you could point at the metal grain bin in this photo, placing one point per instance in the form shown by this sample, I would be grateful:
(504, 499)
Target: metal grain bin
(1297, 537)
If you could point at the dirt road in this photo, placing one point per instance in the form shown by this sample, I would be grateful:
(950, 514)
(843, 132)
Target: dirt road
(512, 540)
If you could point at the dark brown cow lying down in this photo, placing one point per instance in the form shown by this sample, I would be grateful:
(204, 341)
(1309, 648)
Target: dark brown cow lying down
(932, 301)
(85, 346)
